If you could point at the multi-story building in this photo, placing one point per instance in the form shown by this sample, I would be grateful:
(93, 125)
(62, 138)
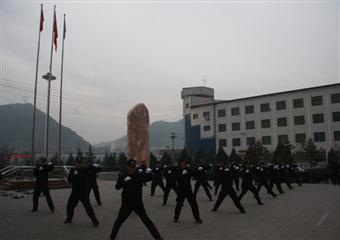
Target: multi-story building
(293, 116)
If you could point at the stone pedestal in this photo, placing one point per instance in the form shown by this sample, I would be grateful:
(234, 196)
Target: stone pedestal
(138, 134)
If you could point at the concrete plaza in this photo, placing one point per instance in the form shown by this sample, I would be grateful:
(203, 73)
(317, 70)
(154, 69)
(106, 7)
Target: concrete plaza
(307, 212)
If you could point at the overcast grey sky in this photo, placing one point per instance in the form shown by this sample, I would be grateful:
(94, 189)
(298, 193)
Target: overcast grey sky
(120, 53)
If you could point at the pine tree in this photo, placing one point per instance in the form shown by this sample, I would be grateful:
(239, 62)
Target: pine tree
(221, 156)
(199, 157)
(166, 159)
(70, 160)
(153, 160)
(234, 157)
(312, 155)
(122, 160)
(90, 155)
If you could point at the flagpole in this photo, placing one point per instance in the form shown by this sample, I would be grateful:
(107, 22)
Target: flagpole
(49, 79)
(61, 89)
(35, 88)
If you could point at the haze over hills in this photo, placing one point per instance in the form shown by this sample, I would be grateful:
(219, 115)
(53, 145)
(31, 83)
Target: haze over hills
(16, 131)
(159, 138)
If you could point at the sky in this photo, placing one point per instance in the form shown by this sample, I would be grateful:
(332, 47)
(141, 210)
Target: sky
(120, 53)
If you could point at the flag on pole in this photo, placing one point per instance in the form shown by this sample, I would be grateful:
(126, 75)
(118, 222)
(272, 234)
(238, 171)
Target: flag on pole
(55, 31)
(42, 19)
(64, 33)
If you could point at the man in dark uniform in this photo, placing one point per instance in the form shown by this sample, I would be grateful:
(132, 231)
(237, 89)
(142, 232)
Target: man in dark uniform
(93, 170)
(236, 170)
(184, 175)
(41, 184)
(284, 177)
(293, 173)
(157, 178)
(202, 180)
(274, 177)
(247, 184)
(80, 180)
(131, 181)
(227, 179)
(218, 172)
(170, 178)
(262, 180)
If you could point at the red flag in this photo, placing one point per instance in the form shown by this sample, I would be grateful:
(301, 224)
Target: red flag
(55, 31)
(41, 19)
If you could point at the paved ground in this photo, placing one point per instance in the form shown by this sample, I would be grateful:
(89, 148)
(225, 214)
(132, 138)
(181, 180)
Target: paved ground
(308, 212)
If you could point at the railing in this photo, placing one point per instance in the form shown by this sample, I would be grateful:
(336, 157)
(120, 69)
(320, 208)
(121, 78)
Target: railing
(26, 172)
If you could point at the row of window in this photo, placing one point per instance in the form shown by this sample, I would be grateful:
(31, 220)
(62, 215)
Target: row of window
(281, 122)
(280, 105)
(300, 138)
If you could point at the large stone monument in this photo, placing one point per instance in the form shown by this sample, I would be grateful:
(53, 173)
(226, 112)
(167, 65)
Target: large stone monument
(138, 134)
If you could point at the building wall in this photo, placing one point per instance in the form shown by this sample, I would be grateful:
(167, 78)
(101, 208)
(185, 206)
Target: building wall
(197, 121)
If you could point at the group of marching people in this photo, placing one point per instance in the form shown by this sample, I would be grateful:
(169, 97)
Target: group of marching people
(133, 178)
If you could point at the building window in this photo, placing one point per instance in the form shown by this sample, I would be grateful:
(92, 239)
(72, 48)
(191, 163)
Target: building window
(249, 109)
(265, 107)
(222, 127)
(250, 124)
(336, 135)
(280, 105)
(195, 116)
(221, 113)
(235, 126)
(282, 122)
(283, 138)
(298, 103)
(336, 116)
(222, 142)
(317, 101)
(335, 98)
(266, 140)
(251, 141)
(319, 137)
(187, 105)
(206, 116)
(236, 142)
(300, 138)
(318, 118)
(235, 111)
(265, 123)
(299, 120)
(206, 128)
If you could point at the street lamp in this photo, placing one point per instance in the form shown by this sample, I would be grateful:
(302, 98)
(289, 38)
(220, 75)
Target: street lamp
(48, 77)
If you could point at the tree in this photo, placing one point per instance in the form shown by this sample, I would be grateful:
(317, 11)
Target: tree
(331, 158)
(184, 155)
(221, 156)
(79, 153)
(122, 159)
(54, 159)
(70, 160)
(257, 153)
(90, 155)
(166, 159)
(153, 160)
(199, 157)
(109, 161)
(312, 155)
(234, 157)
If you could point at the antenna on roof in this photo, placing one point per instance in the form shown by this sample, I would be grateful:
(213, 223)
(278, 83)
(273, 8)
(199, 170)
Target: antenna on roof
(204, 81)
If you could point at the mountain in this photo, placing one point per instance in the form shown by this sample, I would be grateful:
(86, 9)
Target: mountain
(16, 131)
(159, 138)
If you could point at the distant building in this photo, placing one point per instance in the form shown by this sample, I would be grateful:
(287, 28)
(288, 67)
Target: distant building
(293, 116)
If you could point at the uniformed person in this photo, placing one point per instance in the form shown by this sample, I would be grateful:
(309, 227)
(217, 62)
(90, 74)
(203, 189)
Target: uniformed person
(283, 176)
(227, 179)
(93, 171)
(236, 170)
(80, 180)
(247, 185)
(293, 171)
(262, 180)
(274, 177)
(202, 180)
(131, 181)
(157, 178)
(170, 179)
(41, 171)
(184, 175)
(218, 171)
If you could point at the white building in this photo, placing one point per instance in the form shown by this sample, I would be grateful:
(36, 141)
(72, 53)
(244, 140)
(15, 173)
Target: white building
(293, 116)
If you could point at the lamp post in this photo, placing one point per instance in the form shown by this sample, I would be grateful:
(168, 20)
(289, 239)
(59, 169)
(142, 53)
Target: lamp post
(173, 136)
(49, 78)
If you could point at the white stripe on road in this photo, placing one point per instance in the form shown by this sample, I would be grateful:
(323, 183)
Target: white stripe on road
(322, 219)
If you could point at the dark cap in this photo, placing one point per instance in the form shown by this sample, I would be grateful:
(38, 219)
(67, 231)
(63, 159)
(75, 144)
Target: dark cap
(184, 160)
(43, 159)
(131, 163)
